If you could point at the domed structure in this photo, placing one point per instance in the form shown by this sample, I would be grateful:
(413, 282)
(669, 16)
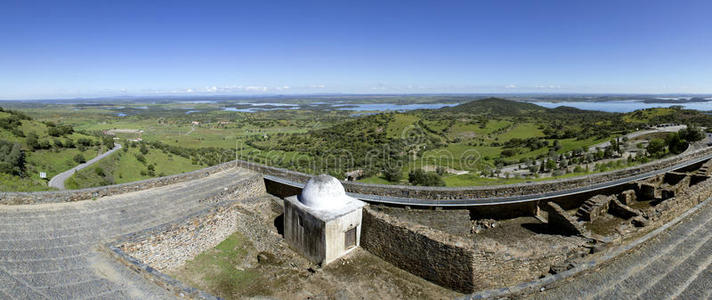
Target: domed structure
(323, 192)
(323, 223)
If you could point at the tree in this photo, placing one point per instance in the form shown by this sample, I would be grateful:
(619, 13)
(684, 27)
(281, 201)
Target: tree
(675, 144)
(143, 149)
(420, 177)
(79, 158)
(108, 142)
(32, 141)
(393, 172)
(691, 133)
(656, 147)
(550, 164)
(12, 158)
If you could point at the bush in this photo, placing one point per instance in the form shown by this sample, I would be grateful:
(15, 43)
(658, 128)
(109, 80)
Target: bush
(393, 173)
(32, 141)
(691, 134)
(12, 158)
(69, 143)
(107, 141)
(656, 147)
(79, 158)
(420, 177)
(84, 142)
(675, 144)
(99, 171)
(143, 149)
(58, 131)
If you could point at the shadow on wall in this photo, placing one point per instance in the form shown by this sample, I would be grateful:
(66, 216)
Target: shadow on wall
(279, 224)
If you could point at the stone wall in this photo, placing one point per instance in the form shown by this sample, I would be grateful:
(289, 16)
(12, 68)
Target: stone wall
(459, 263)
(441, 258)
(16, 198)
(435, 193)
(170, 245)
(446, 193)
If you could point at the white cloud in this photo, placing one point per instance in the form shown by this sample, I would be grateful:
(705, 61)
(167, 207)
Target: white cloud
(511, 86)
(551, 87)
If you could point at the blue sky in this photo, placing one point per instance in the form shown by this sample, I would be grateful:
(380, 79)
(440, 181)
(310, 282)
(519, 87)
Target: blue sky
(106, 48)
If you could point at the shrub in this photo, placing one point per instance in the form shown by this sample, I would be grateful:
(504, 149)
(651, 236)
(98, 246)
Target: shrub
(12, 158)
(79, 158)
(393, 173)
(420, 177)
(656, 147)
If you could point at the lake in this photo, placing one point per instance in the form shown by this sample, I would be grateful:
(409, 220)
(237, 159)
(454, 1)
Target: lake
(623, 106)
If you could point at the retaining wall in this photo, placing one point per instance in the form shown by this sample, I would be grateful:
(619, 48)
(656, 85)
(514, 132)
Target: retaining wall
(14, 198)
(444, 259)
(461, 264)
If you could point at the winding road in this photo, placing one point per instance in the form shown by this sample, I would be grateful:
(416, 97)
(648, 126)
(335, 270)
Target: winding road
(58, 180)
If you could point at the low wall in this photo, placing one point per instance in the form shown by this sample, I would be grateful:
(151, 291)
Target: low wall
(474, 192)
(443, 259)
(462, 264)
(153, 251)
(169, 246)
(434, 193)
(15, 198)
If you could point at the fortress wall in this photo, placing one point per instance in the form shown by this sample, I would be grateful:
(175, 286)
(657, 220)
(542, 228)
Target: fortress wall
(441, 193)
(433, 255)
(16, 198)
(462, 264)
(446, 193)
(169, 246)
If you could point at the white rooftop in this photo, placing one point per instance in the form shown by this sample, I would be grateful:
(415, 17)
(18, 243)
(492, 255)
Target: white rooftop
(325, 198)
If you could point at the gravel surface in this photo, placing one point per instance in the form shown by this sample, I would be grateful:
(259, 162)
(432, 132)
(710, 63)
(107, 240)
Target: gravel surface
(675, 264)
(50, 250)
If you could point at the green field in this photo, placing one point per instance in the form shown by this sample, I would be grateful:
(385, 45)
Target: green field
(124, 166)
(478, 137)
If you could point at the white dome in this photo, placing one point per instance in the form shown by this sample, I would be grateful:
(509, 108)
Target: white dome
(323, 192)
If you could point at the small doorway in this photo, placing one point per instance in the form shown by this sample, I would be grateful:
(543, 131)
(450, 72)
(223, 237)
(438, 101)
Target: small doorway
(350, 238)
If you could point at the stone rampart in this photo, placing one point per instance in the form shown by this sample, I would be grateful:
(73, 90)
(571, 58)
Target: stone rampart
(450, 193)
(435, 193)
(169, 246)
(16, 198)
(455, 262)
(441, 258)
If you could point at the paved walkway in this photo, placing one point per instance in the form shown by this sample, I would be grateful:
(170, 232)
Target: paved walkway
(58, 180)
(49, 250)
(677, 264)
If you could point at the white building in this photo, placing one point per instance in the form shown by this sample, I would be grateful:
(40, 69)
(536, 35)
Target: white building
(323, 223)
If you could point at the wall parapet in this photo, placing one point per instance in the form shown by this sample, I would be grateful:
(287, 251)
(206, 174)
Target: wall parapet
(476, 192)
(17, 198)
(396, 191)
(436, 256)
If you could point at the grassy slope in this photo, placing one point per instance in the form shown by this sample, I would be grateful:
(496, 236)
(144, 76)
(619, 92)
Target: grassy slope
(52, 161)
(123, 167)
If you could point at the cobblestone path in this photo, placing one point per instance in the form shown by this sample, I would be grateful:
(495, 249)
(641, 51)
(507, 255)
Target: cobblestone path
(677, 264)
(50, 250)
